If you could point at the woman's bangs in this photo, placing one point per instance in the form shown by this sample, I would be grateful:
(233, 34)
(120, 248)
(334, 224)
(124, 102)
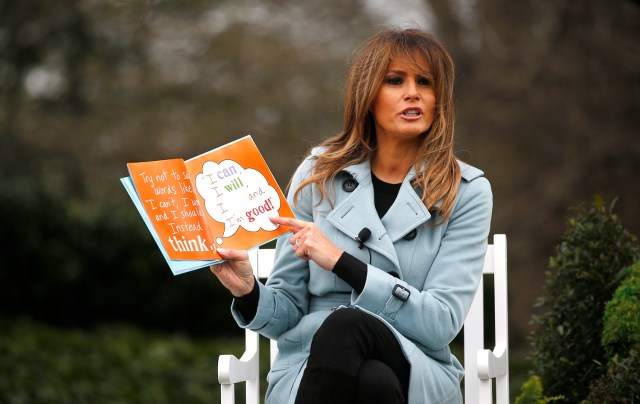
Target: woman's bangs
(415, 59)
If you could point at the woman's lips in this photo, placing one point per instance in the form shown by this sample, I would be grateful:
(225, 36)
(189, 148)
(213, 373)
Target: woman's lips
(411, 113)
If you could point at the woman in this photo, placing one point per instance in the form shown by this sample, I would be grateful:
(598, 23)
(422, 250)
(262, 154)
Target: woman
(387, 247)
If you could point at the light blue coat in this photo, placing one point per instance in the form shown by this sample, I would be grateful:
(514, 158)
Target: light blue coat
(441, 267)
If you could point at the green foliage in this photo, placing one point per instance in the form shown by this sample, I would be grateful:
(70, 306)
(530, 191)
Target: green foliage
(117, 365)
(621, 339)
(622, 316)
(620, 383)
(533, 393)
(65, 269)
(583, 275)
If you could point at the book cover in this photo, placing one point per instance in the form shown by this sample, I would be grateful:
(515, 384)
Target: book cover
(221, 198)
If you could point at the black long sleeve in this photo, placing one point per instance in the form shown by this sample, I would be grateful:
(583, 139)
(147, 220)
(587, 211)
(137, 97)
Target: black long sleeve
(248, 304)
(351, 270)
(348, 268)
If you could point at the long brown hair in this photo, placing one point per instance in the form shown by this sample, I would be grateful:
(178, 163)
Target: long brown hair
(437, 171)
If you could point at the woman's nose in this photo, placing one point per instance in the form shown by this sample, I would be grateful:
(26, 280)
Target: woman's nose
(412, 91)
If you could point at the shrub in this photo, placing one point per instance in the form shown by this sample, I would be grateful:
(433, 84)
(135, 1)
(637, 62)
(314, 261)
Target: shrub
(621, 339)
(64, 268)
(532, 393)
(582, 277)
(620, 383)
(622, 316)
(41, 364)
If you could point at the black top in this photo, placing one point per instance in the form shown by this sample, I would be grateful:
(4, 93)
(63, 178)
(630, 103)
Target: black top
(384, 194)
(348, 268)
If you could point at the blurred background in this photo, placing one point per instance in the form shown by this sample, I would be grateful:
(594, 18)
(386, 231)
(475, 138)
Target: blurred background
(548, 97)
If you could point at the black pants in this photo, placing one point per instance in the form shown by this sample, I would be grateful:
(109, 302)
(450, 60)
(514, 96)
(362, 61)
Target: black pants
(354, 358)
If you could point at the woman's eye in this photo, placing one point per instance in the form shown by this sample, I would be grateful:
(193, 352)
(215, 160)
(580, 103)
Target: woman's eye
(394, 81)
(423, 81)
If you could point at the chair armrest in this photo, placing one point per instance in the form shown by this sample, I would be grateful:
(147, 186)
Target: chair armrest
(232, 370)
(492, 363)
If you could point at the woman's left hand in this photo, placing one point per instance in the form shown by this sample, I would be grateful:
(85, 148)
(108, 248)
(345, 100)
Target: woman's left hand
(310, 243)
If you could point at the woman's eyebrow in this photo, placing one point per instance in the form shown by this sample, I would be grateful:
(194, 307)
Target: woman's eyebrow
(396, 72)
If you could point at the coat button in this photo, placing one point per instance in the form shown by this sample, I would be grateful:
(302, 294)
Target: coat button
(350, 184)
(411, 235)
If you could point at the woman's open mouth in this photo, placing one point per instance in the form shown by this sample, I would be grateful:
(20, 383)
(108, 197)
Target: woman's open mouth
(412, 113)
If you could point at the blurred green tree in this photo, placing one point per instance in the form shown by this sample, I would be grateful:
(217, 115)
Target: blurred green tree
(589, 264)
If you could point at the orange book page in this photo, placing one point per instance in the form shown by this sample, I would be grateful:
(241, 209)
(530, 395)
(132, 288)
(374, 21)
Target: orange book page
(238, 193)
(169, 200)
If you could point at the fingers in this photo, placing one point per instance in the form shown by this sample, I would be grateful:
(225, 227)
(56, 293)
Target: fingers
(235, 273)
(300, 229)
(301, 250)
(304, 240)
(295, 224)
(304, 235)
(298, 239)
(295, 241)
(234, 260)
(233, 255)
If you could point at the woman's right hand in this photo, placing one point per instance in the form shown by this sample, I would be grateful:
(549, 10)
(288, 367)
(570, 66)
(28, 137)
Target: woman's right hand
(236, 273)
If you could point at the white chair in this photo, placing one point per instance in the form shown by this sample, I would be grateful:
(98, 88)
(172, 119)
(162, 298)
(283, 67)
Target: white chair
(482, 365)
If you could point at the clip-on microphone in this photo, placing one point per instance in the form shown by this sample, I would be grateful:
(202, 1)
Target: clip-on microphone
(363, 236)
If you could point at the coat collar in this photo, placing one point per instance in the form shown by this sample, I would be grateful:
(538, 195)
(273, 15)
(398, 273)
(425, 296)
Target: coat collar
(358, 211)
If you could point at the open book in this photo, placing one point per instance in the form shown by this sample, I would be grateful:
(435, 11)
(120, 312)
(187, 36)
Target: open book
(222, 198)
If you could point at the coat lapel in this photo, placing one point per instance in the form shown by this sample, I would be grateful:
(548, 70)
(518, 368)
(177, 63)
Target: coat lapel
(358, 211)
(407, 213)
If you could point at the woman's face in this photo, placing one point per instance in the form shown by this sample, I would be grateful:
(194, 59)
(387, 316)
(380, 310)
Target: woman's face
(404, 107)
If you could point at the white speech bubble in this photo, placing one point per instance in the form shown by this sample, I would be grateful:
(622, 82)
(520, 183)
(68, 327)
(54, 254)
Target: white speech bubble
(237, 197)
